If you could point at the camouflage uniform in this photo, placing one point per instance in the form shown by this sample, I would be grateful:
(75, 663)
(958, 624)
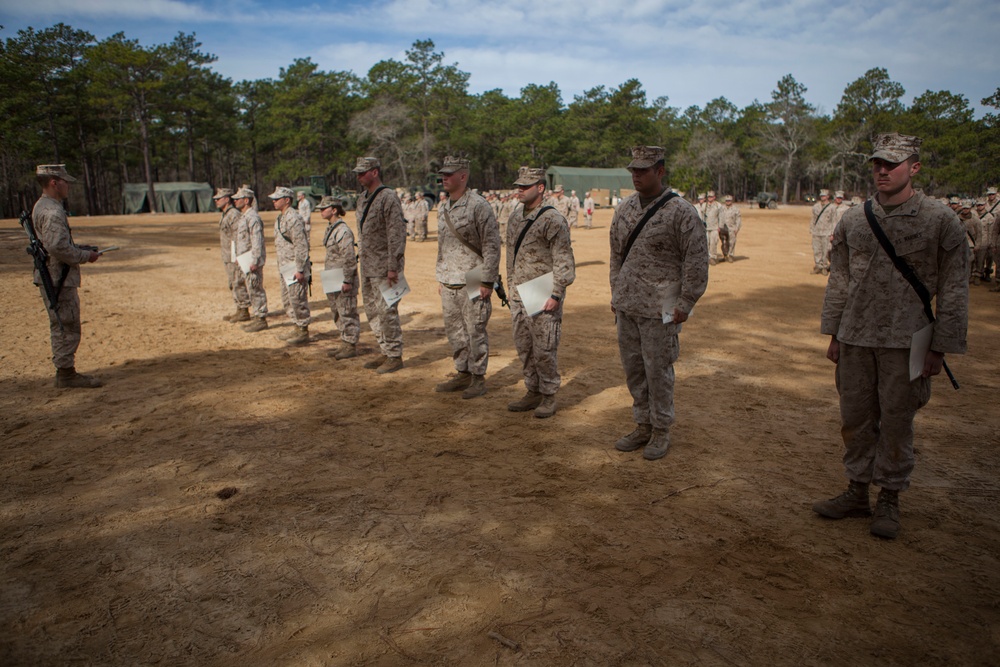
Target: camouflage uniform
(873, 311)
(52, 227)
(420, 212)
(227, 234)
(406, 205)
(250, 238)
(465, 320)
(588, 211)
(382, 241)
(671, 249)
(731, 219)
(574, 211)
(821, 227)
(305, 209)
(975, 238)
(713, 218)
(546, 247)
(292, 248)
(561, 203)
(339, 243)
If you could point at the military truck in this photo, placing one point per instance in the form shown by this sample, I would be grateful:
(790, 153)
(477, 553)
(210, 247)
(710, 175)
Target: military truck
(767, 200)
(319, 187)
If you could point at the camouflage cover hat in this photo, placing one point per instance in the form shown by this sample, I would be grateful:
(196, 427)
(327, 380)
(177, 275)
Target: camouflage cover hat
(529, 176)
(244, 193)
(282, 192)
(559, 188)
(967, 203)
(701, 195)
(644, 157)
(895, 147)
(453, 163)
(300, 193)
(366, 164)
(711, 193)
(55, 170)
(954, 200)
(824, 193)
(222, 192)
(839, 194)
(981, 201)
(991, 191)
(727, 198)
(329, 201)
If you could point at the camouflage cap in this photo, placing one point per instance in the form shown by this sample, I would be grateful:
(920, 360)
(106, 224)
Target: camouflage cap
(711, 193)
(529, 176)
(895, 147)
(55, 170)
(453, 163)
(727, 198)
(559, 188)
(329, 201)
(222, 192)
(244, 193)
(366, 164)
(991, 191)
(839, 194)
(967, 203)
(981, 201)
(954, 200)
(824, 193)
(282, 192)
(300, 193)
(701, 195)
(644, 157)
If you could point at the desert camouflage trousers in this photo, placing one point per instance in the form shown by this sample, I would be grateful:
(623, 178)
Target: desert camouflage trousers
(713, 243)
(821, 251)
(66, 338)
(420, 229)
(345, 315)
(383, 318)
(255, 289)
(465, 324)
(295, 301)
(537, 342)
(728, 237)
(237, 285)
(648, 350)
(877, 406)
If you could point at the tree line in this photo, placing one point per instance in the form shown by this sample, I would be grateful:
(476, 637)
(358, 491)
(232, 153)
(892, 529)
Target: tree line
(118, 112)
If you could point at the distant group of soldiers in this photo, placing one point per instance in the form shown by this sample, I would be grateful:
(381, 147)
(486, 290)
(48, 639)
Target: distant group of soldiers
(979, 217)
(722, 225)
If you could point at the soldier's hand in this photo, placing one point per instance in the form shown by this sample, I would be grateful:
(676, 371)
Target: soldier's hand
(253, 267)
(550, 305)
(833, 352)
(679, 316)
(94, 256)
(392, 277)
(933, 361)
(485, 292)
(300, 277)
(613, 311)
(346, 288)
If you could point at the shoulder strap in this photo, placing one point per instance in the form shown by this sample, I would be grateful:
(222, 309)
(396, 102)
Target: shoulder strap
(368, 205)
(447, 220)
(821, 212)
(642, 223)
(330, 230)
(527, 226)
(898, 261)
(994, 207)
(280, 230)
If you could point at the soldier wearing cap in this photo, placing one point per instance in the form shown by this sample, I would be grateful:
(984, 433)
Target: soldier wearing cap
(986, 219)
(975, 238)
(574, 209)
(65, 257)
(468, 239)
(249, 237)
(292, 248)
(871, 312)
(588, 210)
(840, 207)
(664, 273)
(731, 221)
(305, 209)
(537, 243)
(420, 212)
(382, 238)
(561, 202)
(338, 239)
(406, 204)
(712, 217)
(700, 206)
(223, 199)
(821, 228)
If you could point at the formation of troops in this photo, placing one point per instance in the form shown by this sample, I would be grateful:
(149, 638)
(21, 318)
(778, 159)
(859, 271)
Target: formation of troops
(886, 260)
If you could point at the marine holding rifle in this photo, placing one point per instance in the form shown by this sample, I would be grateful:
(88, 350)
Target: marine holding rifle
(64, 259)
(659, 269)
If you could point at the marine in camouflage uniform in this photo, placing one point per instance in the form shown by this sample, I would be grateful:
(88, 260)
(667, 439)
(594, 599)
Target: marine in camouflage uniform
(382, 238)
(466, 219)
(560, 201)
(588, 211)
(821, 228)
(545, 248)
(713, 219)
(666, 269)
(338, 239)
(574, 210)
(871, 311)
(249, 237)
(305, 209)
(420, 213)
(292, 249)
(975, 238)
(65, 257)
(227, 234)
(731, 219)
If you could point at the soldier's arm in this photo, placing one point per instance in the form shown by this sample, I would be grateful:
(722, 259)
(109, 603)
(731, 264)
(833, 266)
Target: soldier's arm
(54, 234)
(694, 271)
(395, 229)
(952, 297)
(563, 263)
(489, 233)
(835, 299)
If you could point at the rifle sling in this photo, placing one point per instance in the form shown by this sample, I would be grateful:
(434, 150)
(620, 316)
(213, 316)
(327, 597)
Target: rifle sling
(905, 269)
(527, 226)
(447, 220)
(650, 212)
(368, 205)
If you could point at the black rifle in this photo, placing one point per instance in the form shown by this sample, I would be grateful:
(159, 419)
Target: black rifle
(501, 292)
(41, 257)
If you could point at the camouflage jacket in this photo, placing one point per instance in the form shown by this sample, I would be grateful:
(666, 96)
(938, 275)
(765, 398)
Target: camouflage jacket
(869, 303)
(420, 210)
(546, 247)
(713, 215)
(731, 218)
(671, 249)
(290, 241)
(339, 242)
(227, 232)
(382, 238)
(823, 219)
(52, 228)
(473, 219)
(250, 237)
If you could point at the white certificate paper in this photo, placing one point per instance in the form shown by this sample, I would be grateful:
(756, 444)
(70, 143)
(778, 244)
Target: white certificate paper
(232, 251)
(473, 281)
(393, 293)
(920, 343)
(333, 280)
(535, 292)
(288, 272)
(245, 260)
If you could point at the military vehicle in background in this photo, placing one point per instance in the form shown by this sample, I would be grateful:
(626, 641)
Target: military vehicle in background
(319, 187)
(767, 200)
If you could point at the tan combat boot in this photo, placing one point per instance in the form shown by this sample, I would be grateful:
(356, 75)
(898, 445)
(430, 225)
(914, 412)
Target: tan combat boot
(853, 502)
(67, 378)
(547, 407)
(257, 324)
(297, 336)
(345, 351)
(391, 365)
(634, 440)
(657, 446)
(459, 381)
(376, 362)
(886, 521)
(529, 401)
(476, 388)
(241, 315)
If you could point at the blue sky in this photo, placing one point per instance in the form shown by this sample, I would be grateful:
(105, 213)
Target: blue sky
(690, 52)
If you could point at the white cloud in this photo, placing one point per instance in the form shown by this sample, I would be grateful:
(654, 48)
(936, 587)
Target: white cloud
(67, 10)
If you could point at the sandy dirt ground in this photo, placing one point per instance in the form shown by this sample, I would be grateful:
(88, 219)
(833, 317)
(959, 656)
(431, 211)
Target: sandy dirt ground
(376, 522)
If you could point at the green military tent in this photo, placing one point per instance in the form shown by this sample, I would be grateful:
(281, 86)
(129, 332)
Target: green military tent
(583, 179)
(181, 197)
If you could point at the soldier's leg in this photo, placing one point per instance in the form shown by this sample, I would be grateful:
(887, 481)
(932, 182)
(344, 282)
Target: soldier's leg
(298, 299)
(733, 233)
(546, 329)
(389, 326)
(64, 339)
(860, 415)
(819, 252)
(660, 348)
(476, 314)
(286, 304)
(241, 296)
(630, 351)
(422, 230)
(256, 293)
(454, 326)
(899, 399)
(713, 244)
(372, 296)
(346, 317)
(523, 342)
